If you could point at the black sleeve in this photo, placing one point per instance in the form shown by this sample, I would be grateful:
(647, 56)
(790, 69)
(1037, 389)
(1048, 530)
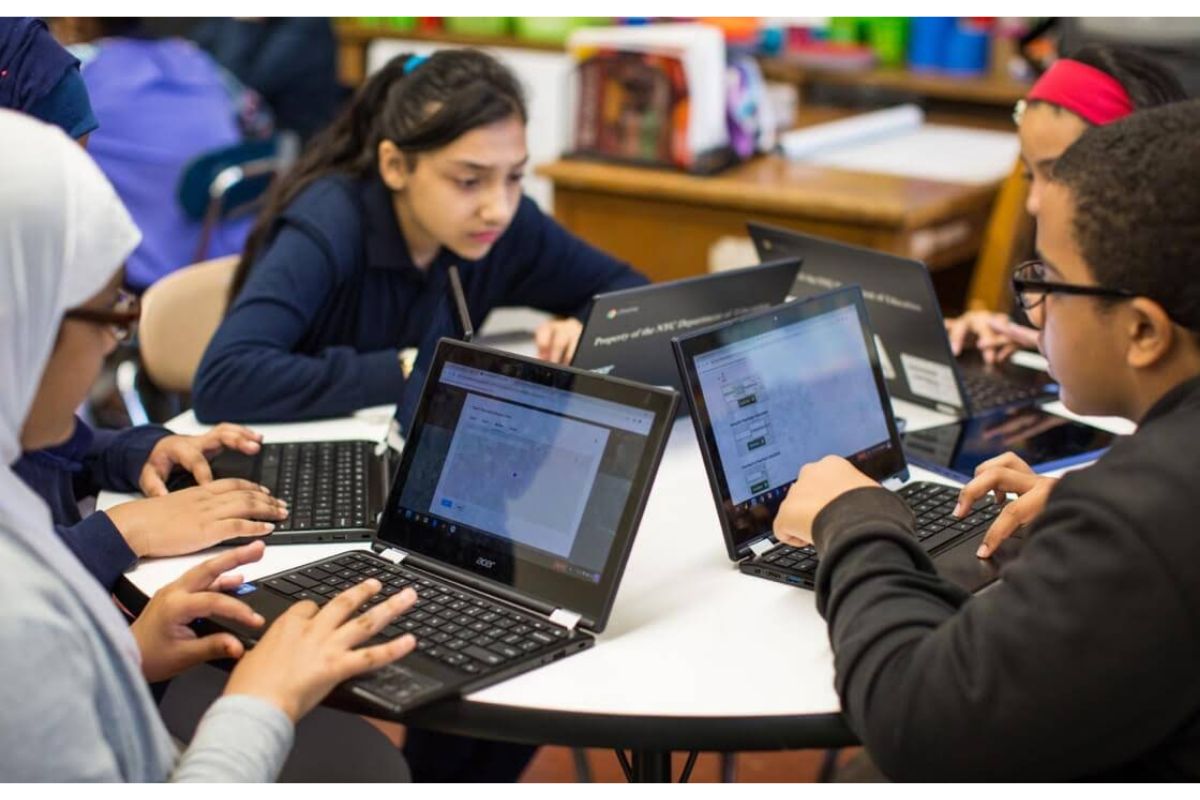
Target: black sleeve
(1082, 658)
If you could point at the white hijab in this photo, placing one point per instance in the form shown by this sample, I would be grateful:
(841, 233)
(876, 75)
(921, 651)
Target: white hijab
(63, 235)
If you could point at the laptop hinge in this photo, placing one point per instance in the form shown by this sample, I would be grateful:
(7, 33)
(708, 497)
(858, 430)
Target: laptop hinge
(762, 546)
(393, 555)
(566, 618)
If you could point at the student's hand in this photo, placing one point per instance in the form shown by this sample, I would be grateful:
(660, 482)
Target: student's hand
(983, 330)
(819, 484)
(194, 519)
(556, 340)
(192, 453)
(168, 646)
(309, 650)
(1001, 475)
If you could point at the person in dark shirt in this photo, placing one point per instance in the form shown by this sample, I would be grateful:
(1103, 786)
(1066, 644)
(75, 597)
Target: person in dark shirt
(40, 78)
(290, 61)
(1081, 661)
(349, 261)
(139, 459)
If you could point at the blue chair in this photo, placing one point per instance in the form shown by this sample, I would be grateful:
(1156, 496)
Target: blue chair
(231, 181)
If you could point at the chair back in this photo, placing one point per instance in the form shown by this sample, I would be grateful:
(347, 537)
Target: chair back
(1007, 236)
(180, 314)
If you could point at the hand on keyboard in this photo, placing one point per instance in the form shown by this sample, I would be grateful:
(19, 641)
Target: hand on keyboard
(194, 519)
(167, 644)
(818, 485)
(192, 453)
(310, 649)
(1001, 475)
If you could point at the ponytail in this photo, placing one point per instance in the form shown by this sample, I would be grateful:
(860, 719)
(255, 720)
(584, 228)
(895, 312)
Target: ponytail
(419, 104)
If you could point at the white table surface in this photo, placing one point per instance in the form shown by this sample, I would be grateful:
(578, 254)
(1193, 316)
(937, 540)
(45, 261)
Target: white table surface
(689, 635)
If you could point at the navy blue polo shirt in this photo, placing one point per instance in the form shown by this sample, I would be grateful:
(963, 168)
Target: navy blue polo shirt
(91, 460)
(317, 329)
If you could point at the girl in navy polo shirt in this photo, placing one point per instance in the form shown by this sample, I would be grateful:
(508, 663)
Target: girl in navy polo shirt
(348, 263)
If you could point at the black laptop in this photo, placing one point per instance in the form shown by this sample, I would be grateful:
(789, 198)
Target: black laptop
(772, 391)
(915, 351)
(628, 333)
(512, 513)
(335, 489)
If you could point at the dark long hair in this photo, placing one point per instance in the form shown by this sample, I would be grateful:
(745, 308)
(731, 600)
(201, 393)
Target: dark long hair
(418, 105)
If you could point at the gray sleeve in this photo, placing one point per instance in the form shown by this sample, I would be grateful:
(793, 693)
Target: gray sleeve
(240, 738)
(51, 731)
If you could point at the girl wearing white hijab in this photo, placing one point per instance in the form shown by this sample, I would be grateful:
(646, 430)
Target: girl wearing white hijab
(72, 674)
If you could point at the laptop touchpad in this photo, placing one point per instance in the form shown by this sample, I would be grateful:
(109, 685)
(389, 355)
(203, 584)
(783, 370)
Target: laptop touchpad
(960, 565)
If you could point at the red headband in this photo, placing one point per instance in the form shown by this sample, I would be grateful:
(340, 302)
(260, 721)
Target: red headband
(1091, 93)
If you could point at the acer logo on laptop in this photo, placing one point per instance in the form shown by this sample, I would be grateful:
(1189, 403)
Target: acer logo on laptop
(486, 563)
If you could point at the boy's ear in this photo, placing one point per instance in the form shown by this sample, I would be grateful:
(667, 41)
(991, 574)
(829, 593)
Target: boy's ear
(1151, 333)
(393, 166)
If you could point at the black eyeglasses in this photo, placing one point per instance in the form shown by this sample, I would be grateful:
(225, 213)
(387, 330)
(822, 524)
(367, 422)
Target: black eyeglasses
(1030, 287)
(121, 319)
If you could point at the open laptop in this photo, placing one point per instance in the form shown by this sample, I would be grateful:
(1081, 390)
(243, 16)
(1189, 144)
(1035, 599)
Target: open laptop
(628, 332)
(772, 391)
(335, 489)
(915, 351)
(512, 513)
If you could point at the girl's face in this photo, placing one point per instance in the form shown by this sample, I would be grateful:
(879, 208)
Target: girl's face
(461, 197)
(73, 367)
(1045, 132)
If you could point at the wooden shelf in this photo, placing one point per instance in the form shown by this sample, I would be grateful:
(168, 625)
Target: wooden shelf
(984, 90)
(354, 37)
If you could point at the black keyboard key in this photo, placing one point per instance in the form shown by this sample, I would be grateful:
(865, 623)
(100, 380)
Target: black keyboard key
(302, 580)
(284, 585)
(508, 651)
(486, 656)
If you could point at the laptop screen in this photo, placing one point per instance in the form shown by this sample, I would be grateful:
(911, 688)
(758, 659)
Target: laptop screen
(902, 306)
(775, 391)
(526, 474)
(628, 332)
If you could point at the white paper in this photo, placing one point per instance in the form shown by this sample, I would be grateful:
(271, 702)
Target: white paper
(805, 143)
(889, 372)
(897, 141)
(931, 380)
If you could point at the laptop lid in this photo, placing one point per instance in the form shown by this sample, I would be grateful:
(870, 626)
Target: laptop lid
(772, 391)
(527, 479)
(914, 349)
(628, 332)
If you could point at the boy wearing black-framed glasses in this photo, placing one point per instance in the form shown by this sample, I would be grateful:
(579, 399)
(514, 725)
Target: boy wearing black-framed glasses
(1081, 661)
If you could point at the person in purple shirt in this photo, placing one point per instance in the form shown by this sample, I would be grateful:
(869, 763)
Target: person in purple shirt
(160, 103)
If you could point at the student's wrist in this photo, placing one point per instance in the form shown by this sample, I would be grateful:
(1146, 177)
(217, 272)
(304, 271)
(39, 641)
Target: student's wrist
(126, 520)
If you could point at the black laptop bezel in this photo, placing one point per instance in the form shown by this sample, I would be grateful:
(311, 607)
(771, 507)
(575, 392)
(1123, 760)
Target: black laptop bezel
(640, 294)
(538, 587)
(737, 524)
(793, 242)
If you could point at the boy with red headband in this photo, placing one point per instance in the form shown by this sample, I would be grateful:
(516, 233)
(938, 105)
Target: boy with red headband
(1098, 85)
(1081, 662)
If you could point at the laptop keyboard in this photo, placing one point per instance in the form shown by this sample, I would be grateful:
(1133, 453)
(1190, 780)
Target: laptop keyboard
(933, 506)
(323, 483)
(995, 391)
(460, 629)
